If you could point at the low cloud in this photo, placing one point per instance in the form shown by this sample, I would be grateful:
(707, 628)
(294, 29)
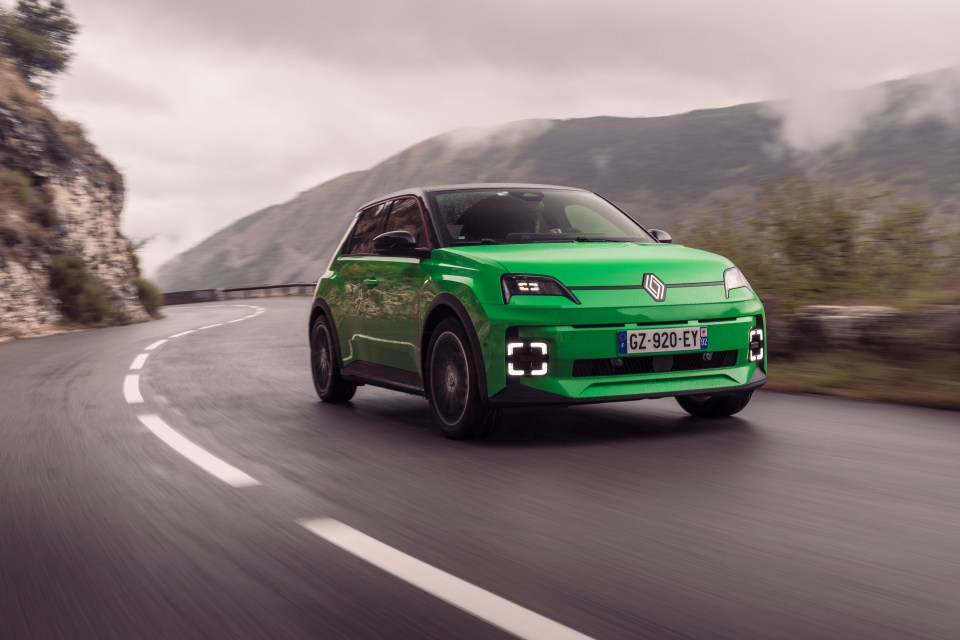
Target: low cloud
(816, 122)
(506, 135)
(813, 123)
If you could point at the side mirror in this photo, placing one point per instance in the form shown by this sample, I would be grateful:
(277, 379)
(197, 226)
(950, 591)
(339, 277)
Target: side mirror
(397, 243)
(659, 234)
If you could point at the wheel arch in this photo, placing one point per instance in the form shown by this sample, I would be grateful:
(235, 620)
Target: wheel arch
(321, 308)
(444, 306)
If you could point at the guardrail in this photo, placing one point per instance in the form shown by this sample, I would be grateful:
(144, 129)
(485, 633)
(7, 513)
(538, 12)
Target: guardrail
(234, 293)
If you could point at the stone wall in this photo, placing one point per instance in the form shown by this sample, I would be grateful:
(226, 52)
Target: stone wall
(879, 330)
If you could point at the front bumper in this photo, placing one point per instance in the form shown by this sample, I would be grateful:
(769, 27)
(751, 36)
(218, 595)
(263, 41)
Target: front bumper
(580, 347)
(518, 394)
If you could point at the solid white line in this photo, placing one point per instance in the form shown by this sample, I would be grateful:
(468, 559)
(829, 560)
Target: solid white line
(156, 344)
(497, 611)
(139, 361)
(237, 320)
(197, 455)
(182, 333)
(210, 326)
(131, 389)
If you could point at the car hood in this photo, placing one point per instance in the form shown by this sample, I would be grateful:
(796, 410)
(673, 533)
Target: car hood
(607, 264)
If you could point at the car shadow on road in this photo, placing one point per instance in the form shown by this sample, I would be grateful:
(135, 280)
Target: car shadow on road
(540, 426)
(591, 425)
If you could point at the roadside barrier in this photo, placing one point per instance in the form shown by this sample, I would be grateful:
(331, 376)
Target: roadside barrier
(235, 293)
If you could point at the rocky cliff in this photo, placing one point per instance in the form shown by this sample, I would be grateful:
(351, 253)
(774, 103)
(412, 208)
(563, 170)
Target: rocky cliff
(60, 204)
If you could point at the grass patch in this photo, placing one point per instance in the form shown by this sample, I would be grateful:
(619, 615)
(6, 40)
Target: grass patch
(932, 381)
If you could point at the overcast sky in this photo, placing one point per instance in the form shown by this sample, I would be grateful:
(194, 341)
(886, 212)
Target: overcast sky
(213, 109)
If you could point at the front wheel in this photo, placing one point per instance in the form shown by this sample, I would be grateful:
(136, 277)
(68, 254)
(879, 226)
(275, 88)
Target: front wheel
(325, 365)
(452, 386)
(716, 406)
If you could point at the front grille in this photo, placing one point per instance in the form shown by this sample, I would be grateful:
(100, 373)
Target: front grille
(653, 364)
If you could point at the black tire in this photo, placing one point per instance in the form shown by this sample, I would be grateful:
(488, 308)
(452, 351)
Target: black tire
(451, 380)
(325, 365)
(718, 406)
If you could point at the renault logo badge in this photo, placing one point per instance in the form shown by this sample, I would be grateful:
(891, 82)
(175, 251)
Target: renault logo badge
(654, 286)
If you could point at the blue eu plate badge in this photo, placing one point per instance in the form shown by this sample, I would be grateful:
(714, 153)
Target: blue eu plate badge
(704, 343)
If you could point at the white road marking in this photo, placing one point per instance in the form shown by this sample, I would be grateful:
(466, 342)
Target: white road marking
(139, 361)
(210, 326)
(237, 320)
(156, 344)
(498, 611)
(196, 454)
(131, 389)
(182, 333)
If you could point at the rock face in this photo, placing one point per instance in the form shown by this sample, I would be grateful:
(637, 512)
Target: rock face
(58, 196)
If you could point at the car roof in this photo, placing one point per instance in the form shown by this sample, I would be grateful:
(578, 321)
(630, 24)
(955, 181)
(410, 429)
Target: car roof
(422, 192)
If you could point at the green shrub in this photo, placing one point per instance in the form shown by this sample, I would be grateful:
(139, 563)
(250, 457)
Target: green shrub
(82, 297)
(16, 187)
(150, 296)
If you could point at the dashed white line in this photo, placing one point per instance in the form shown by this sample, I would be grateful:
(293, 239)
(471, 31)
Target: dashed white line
(196, 454)
(131, 389)
(497, 611)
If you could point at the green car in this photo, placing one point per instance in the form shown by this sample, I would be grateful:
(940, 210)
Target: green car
(486, 296)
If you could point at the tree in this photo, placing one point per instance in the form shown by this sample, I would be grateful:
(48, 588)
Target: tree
(801, 242)
(37, 35)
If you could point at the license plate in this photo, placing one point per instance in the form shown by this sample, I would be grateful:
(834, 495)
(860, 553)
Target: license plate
(660, 340)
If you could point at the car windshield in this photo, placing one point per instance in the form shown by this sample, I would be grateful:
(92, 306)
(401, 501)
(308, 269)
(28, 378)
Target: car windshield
(517, 215)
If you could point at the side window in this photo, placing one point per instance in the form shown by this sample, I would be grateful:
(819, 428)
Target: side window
(405, 216)
(366, 229)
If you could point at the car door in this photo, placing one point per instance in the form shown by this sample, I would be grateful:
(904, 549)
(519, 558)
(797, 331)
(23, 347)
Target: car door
(392, 306)
(353, 267)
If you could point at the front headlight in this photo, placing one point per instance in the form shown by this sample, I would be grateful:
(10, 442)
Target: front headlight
(523, 285)
(733, 279)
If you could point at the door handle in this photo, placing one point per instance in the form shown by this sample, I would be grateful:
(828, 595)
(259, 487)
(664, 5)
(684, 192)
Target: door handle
(371, 282)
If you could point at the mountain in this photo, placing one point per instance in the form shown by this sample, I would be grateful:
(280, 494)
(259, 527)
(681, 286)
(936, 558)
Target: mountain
(661, 170)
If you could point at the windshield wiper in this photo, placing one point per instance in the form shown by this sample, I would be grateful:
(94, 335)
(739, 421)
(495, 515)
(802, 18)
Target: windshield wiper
(595, 239)
(466, 243)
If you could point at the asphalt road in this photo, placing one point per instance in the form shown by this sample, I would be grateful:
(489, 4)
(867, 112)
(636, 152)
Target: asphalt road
(803, 517)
